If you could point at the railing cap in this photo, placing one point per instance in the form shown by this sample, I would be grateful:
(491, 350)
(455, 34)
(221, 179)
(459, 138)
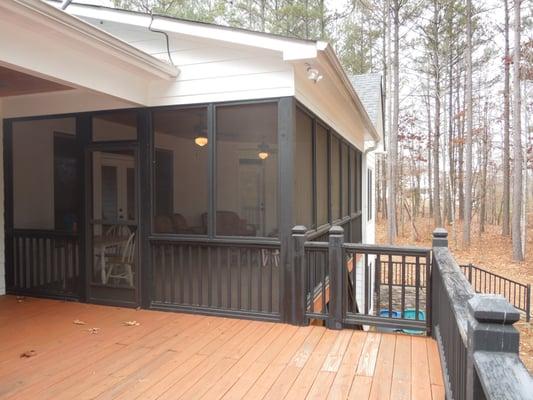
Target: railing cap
(299, 230)
(440, 233)
(336, 230)
(495, 309)
(440, 237)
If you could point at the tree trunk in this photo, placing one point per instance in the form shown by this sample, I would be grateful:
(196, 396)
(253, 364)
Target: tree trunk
(393, 148)
(506, 134)
(517, 142)
(437, 215)
(461, 149)
(468, 166)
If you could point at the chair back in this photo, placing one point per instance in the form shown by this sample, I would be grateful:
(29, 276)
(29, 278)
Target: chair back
(118, 231)
(128, 252)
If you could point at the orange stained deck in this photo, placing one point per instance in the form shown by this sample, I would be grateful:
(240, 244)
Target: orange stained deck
(172, 356)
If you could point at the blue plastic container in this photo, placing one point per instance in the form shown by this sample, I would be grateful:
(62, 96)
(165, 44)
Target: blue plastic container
(385, 313)
(410, 313)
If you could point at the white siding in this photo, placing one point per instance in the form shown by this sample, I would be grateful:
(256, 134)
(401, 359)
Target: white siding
(330, 104)
(369, 226)
(209, 70)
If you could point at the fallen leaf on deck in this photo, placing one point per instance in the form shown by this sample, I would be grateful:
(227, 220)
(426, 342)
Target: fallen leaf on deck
(78, 322)
(94, 331)
(28, 354)
(132, 323)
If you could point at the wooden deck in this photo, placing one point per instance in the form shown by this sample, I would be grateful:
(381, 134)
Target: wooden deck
(172, 356)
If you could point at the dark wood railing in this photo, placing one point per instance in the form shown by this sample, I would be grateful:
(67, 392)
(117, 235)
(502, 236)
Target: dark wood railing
(348, 284)
(222, 278)
(478, 344)
(516, 293)
(45, 263)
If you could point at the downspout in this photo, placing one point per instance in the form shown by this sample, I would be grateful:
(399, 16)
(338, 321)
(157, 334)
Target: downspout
(65, 4)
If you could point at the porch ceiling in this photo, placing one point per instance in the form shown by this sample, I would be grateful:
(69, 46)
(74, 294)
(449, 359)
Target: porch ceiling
(15, 83)
(45, 42)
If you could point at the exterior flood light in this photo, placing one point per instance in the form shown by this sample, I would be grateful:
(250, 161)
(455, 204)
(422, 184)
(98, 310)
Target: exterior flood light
(313, 74)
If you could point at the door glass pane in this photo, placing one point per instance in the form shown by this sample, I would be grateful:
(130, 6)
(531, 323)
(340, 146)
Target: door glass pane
(114, 224)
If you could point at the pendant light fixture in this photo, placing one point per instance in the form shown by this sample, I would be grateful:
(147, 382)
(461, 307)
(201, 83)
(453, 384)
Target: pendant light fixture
(263, 151)
(200, 140)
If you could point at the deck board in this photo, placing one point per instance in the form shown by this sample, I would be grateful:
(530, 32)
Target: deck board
(173, 356)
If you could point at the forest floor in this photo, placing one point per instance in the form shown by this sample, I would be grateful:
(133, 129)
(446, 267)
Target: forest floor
(490, 251)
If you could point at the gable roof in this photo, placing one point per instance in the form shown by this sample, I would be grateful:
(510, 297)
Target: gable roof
(369, 90)
(292, 49)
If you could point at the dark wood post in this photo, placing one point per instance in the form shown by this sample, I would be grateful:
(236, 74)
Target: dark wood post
(286, 127)
(440, 238)
(336, 281)
(490, 328)
(299, 264)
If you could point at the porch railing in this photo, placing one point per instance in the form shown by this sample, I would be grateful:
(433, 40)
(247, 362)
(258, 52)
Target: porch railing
(477, 343)
(44, 263)
(354, 284)
(216, 277)
(483, 281)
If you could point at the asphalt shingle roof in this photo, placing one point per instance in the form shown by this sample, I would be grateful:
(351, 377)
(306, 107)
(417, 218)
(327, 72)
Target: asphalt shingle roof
(368, 88)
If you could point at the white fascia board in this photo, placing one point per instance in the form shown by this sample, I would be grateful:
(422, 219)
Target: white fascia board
(335, 65)
(96, 38)
(292, 49)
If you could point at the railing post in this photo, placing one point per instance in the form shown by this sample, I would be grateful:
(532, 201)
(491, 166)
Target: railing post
(336, 278)
(490, 328)
(440, 238)
(470, 273)
(299, 263)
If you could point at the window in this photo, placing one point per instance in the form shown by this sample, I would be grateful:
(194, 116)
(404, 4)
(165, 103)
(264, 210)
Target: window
(247, 170)
(335, 179)
(116, 125)
(369, 202)
(322, 175)
(181, 171)
(45, 175)
(303, 170)
(345, 180)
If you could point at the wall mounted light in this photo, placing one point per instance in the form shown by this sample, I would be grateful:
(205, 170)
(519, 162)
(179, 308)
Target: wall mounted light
(313, 74)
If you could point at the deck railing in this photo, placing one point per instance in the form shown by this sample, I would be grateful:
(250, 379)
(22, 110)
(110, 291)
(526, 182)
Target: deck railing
(483, 281)
(44, 263)
(349, 284)
(477, 341)
(234, 278)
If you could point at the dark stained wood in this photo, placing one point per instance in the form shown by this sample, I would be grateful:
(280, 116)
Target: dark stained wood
(185, 356)
(15, 83)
